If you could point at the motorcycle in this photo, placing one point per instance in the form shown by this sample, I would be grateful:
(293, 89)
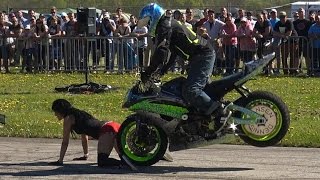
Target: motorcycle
(164, 118)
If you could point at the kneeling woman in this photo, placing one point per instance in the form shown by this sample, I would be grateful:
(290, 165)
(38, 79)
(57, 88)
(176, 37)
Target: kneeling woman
(81, 122)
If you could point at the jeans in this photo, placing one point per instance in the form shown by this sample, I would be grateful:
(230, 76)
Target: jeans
(201, 67)
(4, 56)
(230, 52)
(315, 60)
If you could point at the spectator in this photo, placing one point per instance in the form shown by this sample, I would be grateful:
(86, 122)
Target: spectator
(120, 14)
(43, 19)
(141, 34)
(213, 27)
(116, 19)
(72, 26)
(12, 17)
(133, 22)
(15, 31)
(176, 14)
(273, 17)
(295, 15)
(266, 16)
(4, 19)
(250, 18)
(312, 15)
(275, 41)
(64, 21)
(229, 42)
(182, 19)
(168, 12)
(4, 45)
(103, 11)
(41, 33)
(262, 31)
(53, 15)
(106, 29)
(55, 45)
(180, 64)
(247, 41)
(237, 21)
(31, 14)
(72, 60)
(314, 35)
(123, 45)
(284, 30)
(200, 23)
(190, 19)
(29, 50)
(223, 14)
(21, 19)
(301, 26)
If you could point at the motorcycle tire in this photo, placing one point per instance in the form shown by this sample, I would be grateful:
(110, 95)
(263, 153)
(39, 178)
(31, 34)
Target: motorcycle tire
(141, 153)
(273, 109)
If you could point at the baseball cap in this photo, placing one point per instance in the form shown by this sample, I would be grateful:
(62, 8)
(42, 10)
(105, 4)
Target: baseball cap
(64, 14)
(282, 13)
(273, 10)
(243, 19)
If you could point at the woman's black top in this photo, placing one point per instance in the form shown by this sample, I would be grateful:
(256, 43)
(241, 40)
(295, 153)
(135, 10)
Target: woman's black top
(85, 123)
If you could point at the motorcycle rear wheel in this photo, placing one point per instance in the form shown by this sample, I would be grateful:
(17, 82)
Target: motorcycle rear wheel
(274, 110)
(138, 151)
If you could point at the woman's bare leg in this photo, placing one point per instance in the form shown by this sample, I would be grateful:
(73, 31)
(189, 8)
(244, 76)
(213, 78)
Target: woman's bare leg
(106, 143)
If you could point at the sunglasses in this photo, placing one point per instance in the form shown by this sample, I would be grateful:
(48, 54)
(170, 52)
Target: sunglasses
(282, 16)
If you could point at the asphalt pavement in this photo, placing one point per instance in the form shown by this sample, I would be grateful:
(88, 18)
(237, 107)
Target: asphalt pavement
(27, 158)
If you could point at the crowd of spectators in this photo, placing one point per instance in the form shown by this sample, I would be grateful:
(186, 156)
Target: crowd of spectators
(49, 42)
(32, 42)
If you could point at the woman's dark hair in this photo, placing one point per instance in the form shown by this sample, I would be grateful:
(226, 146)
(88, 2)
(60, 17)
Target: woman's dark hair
(61, 106)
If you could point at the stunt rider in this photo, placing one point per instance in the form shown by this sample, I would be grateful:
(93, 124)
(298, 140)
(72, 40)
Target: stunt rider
(173, 39)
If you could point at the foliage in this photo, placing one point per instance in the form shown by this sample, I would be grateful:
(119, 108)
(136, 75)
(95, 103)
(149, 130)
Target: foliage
(134, 5)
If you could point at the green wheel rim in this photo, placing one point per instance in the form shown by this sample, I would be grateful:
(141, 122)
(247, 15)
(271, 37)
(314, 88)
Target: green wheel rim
(130, 130)
(273, 124)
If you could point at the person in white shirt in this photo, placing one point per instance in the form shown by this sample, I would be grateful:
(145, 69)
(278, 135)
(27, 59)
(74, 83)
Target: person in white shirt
(141, 34)
(213, 27)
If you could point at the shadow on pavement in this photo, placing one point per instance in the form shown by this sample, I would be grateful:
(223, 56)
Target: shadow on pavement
(92, 168)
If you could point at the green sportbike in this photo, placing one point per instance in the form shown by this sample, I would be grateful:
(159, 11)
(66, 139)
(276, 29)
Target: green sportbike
(164, 120)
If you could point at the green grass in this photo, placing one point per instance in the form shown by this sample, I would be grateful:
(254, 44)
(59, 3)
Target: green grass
(26, 101)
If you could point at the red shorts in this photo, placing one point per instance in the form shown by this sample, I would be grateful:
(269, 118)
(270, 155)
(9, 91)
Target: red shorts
(110, 127)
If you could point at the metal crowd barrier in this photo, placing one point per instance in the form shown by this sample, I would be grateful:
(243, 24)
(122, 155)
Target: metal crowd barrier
(75, 54)
(293, 55)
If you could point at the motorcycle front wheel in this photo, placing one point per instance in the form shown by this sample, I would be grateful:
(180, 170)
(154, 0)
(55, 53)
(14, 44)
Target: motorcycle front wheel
(277, 116)
(141, 151)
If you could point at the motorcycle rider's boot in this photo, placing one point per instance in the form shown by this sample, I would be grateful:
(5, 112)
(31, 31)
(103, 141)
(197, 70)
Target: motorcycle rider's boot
(219, 113)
